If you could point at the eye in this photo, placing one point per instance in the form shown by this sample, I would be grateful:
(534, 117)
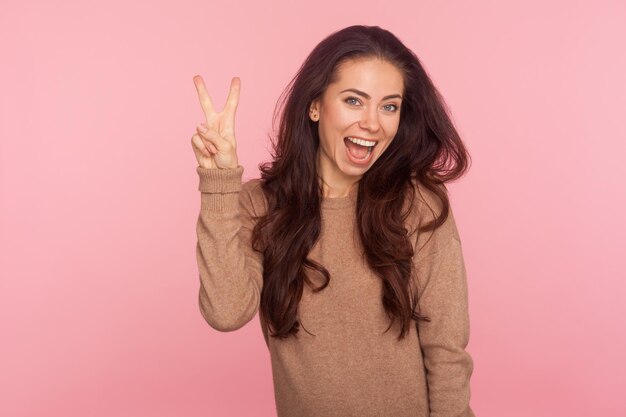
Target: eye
(350, 100)
(395, 108)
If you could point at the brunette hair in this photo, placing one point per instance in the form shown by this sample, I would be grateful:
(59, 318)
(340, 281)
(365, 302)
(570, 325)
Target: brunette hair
(426, 149)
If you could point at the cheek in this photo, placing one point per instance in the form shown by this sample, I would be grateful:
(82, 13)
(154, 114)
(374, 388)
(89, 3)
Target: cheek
(333, 129)
(391, 130)
(339, 119)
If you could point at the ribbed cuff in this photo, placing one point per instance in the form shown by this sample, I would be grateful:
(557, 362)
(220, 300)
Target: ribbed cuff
(217, 180)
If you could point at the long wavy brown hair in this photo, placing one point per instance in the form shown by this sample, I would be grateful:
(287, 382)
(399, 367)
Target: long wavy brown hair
(426, 149)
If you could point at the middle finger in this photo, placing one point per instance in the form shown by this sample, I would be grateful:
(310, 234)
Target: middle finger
(205, 100)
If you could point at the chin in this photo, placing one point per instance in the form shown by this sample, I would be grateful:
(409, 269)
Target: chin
(355, 171)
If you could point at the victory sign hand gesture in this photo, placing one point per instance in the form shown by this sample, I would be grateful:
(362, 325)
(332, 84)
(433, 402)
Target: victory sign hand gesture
(214, 142)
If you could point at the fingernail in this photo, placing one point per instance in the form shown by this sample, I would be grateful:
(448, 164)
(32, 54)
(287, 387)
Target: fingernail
(202, 128)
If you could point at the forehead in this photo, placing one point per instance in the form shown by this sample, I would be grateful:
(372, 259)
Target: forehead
(370, 75)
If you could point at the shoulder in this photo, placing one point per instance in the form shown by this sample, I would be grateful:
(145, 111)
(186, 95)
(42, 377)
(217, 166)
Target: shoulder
(429, 220)
(428, 204)
(252, 186)
(423, 204)
(252, 195)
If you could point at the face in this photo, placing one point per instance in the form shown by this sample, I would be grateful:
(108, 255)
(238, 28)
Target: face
(362, 106)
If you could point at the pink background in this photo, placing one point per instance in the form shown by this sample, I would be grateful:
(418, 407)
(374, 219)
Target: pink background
(99, 200)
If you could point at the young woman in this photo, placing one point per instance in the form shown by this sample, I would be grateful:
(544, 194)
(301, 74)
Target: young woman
(348, 236)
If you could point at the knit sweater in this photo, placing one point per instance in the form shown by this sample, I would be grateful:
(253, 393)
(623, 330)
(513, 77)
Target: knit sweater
(348, 366)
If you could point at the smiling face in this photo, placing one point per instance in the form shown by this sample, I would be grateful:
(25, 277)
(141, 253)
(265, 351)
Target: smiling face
(362, 106)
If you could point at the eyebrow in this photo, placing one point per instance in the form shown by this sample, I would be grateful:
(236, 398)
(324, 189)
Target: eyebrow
(367, 96)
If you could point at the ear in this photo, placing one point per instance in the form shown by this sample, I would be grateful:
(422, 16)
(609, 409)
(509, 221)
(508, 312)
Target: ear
(314, 110)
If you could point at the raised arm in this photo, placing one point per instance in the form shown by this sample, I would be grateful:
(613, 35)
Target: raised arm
(231, 272)
(443, 287)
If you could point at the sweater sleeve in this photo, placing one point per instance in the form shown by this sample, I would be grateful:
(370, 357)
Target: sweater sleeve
(441, 273)
(230, 270)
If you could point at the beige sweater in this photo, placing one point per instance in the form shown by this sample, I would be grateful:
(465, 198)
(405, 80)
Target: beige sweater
(350, 367)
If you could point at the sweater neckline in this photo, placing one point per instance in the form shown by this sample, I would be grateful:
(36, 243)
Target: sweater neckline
(340, 202)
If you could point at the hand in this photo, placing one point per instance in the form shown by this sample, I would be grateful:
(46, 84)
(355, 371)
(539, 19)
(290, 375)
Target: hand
(216, 147)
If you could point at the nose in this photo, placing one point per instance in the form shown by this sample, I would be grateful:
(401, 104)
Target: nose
(369, 119)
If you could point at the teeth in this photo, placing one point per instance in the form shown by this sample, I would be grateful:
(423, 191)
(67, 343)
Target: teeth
(361, 141)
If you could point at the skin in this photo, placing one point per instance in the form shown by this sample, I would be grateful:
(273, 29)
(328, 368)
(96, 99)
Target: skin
(340, 114)
(214, 143)
(372, 113)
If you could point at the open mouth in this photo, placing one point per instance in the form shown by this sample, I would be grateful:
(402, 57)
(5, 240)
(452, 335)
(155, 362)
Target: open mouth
(359, 149)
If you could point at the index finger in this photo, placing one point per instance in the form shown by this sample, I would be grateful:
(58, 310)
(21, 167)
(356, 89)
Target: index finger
(233, 94)
(203, 96)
